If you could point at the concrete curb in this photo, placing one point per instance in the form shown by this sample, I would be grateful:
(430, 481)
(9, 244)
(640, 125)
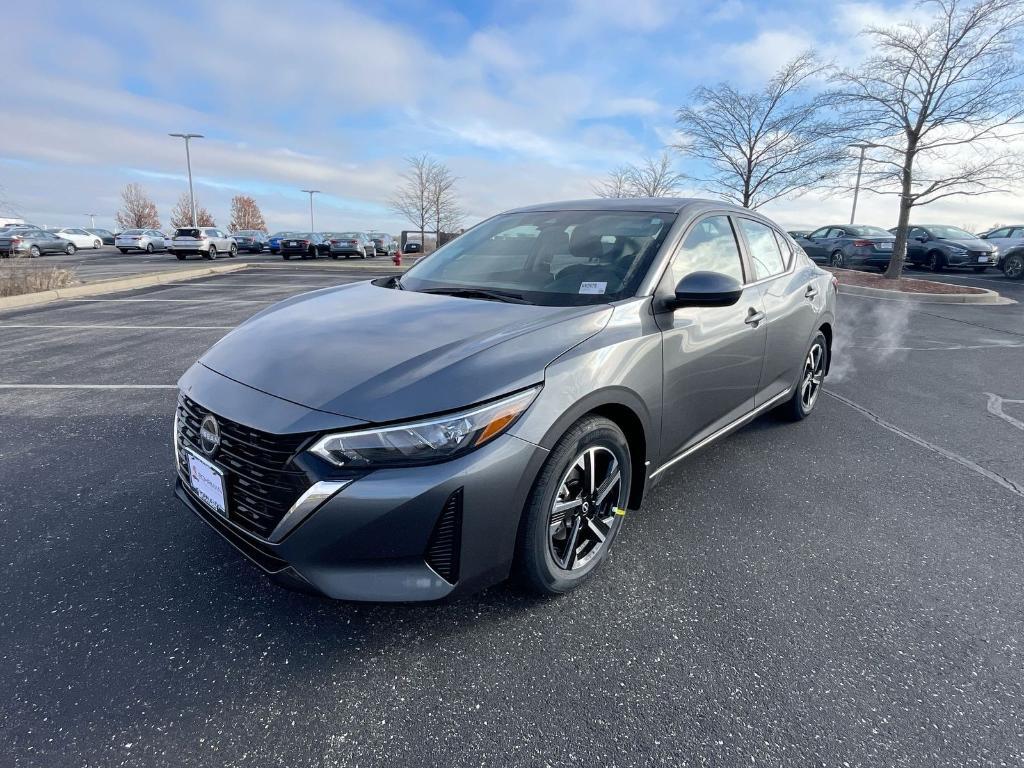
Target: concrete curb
(987, 297)
(111, 286)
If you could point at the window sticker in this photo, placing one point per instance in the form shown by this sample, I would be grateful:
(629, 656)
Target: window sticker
(593, 287)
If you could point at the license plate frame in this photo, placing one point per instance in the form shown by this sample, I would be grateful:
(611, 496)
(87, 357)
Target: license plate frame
(208, 482)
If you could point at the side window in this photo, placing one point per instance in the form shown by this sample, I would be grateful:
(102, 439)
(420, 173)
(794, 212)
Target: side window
(764, 251)
(1017, 234)
(819, 232)
(1004, 232)
(709, 247)
(785, 247)
(916, 232)
(836, 232)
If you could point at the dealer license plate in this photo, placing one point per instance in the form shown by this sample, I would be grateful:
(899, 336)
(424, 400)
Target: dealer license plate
(207, 482)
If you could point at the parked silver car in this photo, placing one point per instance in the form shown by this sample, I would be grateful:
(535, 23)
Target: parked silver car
(349, 244)
(505, 402)
(148, 240)
(80, 237)
(208, 242)
(23, 241)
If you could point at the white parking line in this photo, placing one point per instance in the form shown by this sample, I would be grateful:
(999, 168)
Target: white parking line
(995, 477)
(88, 386)
(126, 327)
(177, 301)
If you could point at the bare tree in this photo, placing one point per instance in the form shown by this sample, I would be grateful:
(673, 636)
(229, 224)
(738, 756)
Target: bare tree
(245, 214)
(654, 177)
(939, 102)
(181, 214)
(443, 199)
(138, 211)
(413, 200)
(616, 184)
(759, 146)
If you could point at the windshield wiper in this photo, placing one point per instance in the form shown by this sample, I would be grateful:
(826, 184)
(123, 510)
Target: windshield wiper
(481, 293)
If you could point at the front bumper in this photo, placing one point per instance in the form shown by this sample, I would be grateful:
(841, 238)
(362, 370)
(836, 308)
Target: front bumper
(408, 534)
(971, 259)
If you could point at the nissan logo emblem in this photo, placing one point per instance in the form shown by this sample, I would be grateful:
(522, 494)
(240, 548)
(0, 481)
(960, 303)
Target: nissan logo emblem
(209, 435)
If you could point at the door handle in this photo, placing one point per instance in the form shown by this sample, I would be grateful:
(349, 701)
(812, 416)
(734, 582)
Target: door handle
(754, 317)
(811, 292)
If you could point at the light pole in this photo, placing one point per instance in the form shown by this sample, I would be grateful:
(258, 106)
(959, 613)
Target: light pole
(311, 192)
(92, 220)
(188, 162)
(860, 166)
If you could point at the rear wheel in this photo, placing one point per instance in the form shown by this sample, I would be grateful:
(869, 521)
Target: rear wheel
(286, 256)
(837, 259)
(1013, 266)
(979, 270)
(211, 254)
(34, 251)
(70, 249)
(123, 250)
(149, 247)
(96, 243)
(180, 256)
(576, 507)
(935, 261)
(812, 377)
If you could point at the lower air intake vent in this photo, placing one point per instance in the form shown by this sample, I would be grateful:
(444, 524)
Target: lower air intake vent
(446, 540)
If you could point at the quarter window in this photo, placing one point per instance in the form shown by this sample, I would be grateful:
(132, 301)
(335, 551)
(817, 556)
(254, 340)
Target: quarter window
(709, 247)
(764, 250)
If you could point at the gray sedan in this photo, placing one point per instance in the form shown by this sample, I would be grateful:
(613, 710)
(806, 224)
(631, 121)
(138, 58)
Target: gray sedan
(33, 242)
(849, 245)
(937, 246)
(505, 404)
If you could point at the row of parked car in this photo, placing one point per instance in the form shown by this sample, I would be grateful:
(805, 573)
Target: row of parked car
(933, 246)
(207, 242)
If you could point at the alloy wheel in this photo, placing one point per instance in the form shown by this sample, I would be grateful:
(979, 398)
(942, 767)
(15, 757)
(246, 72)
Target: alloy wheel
(583, 517)
(1014, 266)
(836, 260)
(814, 374)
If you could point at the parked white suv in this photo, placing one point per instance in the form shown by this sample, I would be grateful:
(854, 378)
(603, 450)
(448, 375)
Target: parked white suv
(208, 242)
(147, 240)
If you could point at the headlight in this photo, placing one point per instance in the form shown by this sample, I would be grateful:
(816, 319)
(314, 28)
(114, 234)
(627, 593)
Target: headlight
(957, 249)
(424, 441)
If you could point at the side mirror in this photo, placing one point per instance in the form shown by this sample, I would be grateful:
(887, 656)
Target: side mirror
(706, 289)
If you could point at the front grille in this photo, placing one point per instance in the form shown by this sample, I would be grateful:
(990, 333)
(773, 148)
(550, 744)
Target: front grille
(262, 484)
(446, 540)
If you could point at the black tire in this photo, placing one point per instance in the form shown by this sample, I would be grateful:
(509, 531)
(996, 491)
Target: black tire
(1013, 266)
(837, 259)
(96, 243)
(211, 254)
(535, 566)
(312, 253)
(149, 247)
(934, 261)
(332, 256)
(979, 270)
(123, 250)
(797, 407)
(70, 249)
(34, 252)
(179, 256)
(233, 251)
(286, 256)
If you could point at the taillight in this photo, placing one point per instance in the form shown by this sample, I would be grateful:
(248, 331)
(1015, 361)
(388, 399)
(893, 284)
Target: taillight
(136, 238)
(335, 242)
(15, 240)
(862, 243)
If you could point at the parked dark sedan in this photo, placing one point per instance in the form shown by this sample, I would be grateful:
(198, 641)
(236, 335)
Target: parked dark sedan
(849, 245)
(305, 245)
(33, 242)
(937, 246)
(413, 248)
(501, 407)
(274, 241)
(105, 235)
(350, 244)
(251, 240)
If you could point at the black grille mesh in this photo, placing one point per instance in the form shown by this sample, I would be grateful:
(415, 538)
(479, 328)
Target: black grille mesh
(446, 540)
(261, 482)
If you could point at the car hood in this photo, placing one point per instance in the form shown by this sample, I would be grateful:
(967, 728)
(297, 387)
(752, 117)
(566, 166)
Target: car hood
(971, 244)
(379, 354)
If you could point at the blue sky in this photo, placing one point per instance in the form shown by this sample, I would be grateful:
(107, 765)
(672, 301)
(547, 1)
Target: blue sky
(525, 100)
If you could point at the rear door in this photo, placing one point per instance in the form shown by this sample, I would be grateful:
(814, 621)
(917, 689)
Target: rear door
(791, 305)
(712, 356)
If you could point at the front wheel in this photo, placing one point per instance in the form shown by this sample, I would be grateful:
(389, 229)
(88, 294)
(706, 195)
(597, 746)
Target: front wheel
(233, 252)
(96, 243)
(935, 261)
(576, 507)
(1013, 266)
(70, 249)
(812, 377)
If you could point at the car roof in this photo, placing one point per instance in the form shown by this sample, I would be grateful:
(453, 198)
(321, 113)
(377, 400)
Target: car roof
(638, 204)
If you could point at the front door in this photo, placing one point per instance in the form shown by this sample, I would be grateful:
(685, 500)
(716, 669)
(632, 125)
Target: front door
(712, 355)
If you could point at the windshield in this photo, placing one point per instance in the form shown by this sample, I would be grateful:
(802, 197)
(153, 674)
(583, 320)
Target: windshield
(248, 233)
(869, 232)
(556, 258)
(951, 233)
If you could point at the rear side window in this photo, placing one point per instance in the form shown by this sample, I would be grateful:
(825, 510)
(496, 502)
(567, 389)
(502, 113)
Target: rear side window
(764, 249)
(709, 247)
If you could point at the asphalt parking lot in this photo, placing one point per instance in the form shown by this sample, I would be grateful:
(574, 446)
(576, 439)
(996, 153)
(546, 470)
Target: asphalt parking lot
(842, 591)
